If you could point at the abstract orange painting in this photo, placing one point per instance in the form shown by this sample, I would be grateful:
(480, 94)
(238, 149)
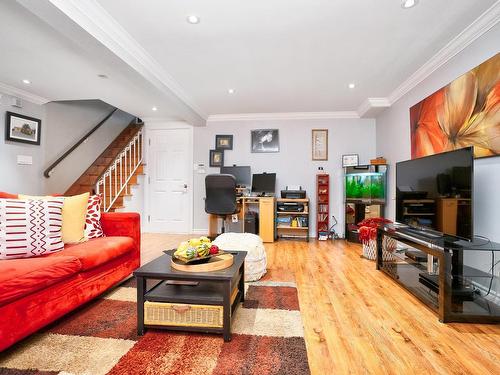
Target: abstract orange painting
(464, 113)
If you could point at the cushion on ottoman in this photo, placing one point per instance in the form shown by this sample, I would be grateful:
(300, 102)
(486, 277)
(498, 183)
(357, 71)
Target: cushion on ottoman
(255, 261)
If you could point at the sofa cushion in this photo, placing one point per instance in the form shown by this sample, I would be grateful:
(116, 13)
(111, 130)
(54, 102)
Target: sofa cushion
(30, 228)
(93, 228)
(98, 251)
(20, 277)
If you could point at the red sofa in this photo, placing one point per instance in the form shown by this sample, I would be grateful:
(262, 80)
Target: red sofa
(36, 291)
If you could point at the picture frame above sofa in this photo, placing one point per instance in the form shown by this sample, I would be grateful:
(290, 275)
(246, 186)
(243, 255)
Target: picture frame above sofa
(21, 128)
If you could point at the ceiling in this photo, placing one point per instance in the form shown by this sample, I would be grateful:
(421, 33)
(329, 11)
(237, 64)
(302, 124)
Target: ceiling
(278, 56)
(63, 63)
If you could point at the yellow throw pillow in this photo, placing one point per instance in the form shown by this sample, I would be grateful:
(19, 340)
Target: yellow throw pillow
(73, 216)
(34, 197)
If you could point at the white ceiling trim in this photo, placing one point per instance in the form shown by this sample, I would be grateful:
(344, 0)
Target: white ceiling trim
(23, 94)
(283, 116)
(472, 32)
(94, 19)
(366, 108)
(371, 107)
(161, 119)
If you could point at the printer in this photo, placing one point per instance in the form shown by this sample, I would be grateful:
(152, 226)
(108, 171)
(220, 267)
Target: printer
(290, 207)
(293, 193)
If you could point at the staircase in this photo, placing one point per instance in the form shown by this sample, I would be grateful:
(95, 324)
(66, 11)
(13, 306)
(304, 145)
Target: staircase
(115, 171)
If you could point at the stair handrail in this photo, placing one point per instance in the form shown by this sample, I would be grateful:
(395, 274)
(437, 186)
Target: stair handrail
(51, 168)
(114, 180)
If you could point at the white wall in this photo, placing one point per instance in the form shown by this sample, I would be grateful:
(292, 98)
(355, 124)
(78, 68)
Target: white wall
(393, 142)
(63, 123)
(137, 200)
(293, 164)
(21, 178)
(68, 122)
(393, 134)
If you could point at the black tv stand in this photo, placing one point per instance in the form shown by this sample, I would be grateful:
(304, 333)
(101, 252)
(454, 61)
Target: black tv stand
(434, 269)
(461, 291)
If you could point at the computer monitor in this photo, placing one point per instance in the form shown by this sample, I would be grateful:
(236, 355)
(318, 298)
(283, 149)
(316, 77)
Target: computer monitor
(242, 174)
(264, 183)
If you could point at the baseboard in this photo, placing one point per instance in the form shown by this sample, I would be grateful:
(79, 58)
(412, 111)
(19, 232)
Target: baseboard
(199, 231)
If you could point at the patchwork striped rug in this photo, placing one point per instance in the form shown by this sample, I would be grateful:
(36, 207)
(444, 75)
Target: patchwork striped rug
(101, 338)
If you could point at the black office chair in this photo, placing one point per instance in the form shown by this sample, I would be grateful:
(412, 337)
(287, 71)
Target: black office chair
(220, 200)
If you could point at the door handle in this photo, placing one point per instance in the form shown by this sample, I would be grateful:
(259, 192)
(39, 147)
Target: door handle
(185, 186)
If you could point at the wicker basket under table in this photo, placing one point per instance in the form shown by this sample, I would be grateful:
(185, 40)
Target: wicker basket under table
(185, 315)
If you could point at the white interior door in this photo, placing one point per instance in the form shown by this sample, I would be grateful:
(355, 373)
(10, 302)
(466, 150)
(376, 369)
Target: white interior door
(170, 176)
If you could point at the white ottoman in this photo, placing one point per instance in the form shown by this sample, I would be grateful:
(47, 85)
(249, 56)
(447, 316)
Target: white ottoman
(256, 261)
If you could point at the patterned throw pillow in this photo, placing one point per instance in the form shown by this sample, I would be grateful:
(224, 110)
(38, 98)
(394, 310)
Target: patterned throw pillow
(93, 227)
(30, 228)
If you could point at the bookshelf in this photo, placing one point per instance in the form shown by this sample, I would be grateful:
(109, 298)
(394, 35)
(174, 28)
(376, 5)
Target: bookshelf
(293, 224)
(323, 203)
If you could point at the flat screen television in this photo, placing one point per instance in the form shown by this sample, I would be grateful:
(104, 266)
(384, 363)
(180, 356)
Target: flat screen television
(436, 192)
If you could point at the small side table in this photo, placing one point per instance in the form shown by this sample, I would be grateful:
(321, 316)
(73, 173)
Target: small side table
(214, 297)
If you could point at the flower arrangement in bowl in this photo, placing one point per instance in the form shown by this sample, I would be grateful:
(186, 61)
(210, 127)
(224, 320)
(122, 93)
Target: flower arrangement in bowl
(367, 234)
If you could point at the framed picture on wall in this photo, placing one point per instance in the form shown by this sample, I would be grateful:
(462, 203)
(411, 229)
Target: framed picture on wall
(265, 140)
(350, 160)
(320, 144)
(224, 142)
(24, 129)
(216, 158)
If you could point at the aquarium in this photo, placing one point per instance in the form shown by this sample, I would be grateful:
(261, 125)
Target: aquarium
(365, 183)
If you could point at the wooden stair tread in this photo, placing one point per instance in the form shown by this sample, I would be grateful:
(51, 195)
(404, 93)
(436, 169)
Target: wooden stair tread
(86, 182)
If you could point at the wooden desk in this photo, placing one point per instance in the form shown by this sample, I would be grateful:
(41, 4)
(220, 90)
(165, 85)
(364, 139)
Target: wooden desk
(266, 208)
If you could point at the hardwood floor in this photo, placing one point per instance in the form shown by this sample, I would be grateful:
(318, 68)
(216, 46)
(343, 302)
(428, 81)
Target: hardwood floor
(359, 321)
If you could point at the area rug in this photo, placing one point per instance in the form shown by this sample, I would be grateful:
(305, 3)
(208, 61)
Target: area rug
(100, 338)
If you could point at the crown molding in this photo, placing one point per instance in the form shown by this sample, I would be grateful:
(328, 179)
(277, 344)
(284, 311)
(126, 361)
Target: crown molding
(472, 32)
(162, 120)
(283, 116)
(95, 20)
(372, 107)
(23, 94)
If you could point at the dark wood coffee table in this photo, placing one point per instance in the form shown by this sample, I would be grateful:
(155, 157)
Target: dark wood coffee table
(213, 289)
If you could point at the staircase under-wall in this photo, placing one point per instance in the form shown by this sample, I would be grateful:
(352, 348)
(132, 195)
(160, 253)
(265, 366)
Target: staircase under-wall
(115, 171)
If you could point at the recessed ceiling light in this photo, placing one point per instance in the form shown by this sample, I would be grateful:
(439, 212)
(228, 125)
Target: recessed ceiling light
(154, 109)
(406, 4)
(193, 19)
(352, 85)
(230, 91)
(26, 81)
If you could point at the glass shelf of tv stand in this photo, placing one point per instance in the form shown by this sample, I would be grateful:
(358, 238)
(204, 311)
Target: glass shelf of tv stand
(463, 283)
(408, 271)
